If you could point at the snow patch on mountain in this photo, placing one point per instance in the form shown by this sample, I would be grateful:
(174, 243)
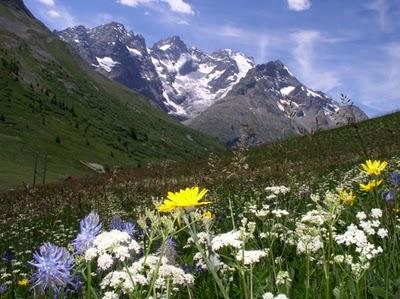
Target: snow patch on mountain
(165, 47)
(312, 93)
(106, 63)
(134, 51)
(287, 90)
(193, 80)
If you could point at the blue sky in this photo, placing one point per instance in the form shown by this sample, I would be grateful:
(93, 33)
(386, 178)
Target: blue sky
(348, 46)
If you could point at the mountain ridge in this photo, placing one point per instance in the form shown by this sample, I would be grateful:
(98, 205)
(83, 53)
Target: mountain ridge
(190, 81)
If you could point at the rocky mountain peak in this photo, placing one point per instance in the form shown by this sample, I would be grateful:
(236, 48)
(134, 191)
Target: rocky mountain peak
(18, 5)
(171, 47)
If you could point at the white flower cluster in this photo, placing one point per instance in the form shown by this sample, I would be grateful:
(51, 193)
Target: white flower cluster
(308, 239)
(357, 236)
(269, 295)
(249, 257)
(278, 190)
(231, 239)
(262, 212)
(283, 278)
(110, 246)
(141, 273)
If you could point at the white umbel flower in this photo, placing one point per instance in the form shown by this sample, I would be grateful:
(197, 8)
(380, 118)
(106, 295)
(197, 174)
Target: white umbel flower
(231, 238)
(250, 256)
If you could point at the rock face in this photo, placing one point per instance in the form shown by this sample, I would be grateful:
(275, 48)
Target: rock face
(221, 93)
(193, 80)
(270, 103)
(182, 81)
(118, 54)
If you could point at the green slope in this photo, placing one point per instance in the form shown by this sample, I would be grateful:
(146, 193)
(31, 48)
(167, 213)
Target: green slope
(51, 103)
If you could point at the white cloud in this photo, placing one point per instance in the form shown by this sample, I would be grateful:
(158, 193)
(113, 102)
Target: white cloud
(378, 81)
(231, 31)
(53, 13)
(381, 8)
(179, 6)
(49, 3)
(299, 5)
(132, 3)
(309, 70)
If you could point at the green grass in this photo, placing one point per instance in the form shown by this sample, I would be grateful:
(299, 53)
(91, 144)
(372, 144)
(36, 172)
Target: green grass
(48, 94)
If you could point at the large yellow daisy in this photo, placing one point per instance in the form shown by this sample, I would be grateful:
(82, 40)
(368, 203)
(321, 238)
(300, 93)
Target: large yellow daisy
(184, 199)
(374, 167)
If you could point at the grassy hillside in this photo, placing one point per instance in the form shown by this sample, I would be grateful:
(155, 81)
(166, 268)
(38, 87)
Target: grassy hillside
(52, 105)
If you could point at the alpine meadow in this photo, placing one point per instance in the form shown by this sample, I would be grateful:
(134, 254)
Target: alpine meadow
(179, 171)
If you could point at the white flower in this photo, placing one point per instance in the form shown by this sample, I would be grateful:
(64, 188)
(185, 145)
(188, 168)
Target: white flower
(90, 254)
(105, 261)
(376, 213)
(279, 213)
(142, 272)
(268, 295)
(367, 227)
(110, 295)
(231, 238)
(361, 216)
(250, 256)
(317, 217)
(110, 246)
(282, 278)
(278, 189)
(382, 233)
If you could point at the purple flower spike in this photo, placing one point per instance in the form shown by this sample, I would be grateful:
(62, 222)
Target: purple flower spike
(395, 178)
(389, 197)
(3, 289)
(170, 250)
(90, 228)
(53, 268)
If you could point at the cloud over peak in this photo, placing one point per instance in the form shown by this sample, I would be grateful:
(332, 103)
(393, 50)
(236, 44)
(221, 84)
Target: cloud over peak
(299, 5)
(179, 6)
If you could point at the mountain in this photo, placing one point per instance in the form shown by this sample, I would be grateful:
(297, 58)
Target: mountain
(220, 94)
(118, 54)
(59, 114)
(193, 80)
(269, 103)
(181, 81)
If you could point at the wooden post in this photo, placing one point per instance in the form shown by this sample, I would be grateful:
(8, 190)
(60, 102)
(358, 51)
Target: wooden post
(44, 169)
(35, 170)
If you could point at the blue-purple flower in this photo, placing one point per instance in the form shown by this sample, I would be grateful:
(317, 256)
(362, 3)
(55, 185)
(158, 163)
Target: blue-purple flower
(389, 197)
(53, 268)
(8, 256)
(123, 226)
(170, 250)
(395, 178)
(116, 223)
(3, 289)
(90, 227)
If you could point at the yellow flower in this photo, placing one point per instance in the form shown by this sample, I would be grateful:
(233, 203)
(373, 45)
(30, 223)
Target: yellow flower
(207, 215)
(23, 282)
(371, 185)
(185, 199)
(347, 197)
(373, 167)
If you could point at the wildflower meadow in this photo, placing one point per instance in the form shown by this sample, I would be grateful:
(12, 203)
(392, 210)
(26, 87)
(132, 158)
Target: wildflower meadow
(334, 235)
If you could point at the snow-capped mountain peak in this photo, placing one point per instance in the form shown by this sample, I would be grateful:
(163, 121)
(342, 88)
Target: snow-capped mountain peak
(194, 80)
